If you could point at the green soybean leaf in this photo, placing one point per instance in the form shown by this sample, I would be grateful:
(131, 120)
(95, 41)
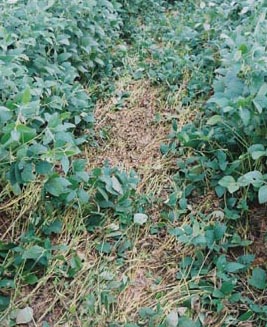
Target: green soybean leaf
(5, 115)
(172, 319)
(262, 195)
(43, 167)
(214, 120)
(116, 185)
(26, 97)
(104, 247)
(146, 312)
(24, 316)
(227, 288)
(83, 196)
(7, 283)
(258, 279)
(257, 151)
(229, 183)
(65, 164)
(4, 302)
(254, 178)
(54, 227)
(140, 219)
(26, 133)
(57, 186)
(246, 316)
(233, 267)
(27, 173)
(35, 252)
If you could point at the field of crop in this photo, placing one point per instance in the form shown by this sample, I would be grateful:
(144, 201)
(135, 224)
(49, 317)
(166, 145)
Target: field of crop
(133, 163)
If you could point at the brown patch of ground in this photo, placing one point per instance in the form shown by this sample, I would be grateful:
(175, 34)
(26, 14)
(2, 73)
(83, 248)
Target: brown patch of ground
(258, 234)
(134, 133)
(150, 268)
(154, 272)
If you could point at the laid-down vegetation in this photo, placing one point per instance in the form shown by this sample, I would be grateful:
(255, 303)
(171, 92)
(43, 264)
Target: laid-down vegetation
(133, 150)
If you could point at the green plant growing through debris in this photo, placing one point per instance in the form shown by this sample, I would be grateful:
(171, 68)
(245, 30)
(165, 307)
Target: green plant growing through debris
(57, 59)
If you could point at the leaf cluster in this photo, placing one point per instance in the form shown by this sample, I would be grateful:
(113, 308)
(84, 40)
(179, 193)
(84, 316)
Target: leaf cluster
(47, 50)
(228, 143)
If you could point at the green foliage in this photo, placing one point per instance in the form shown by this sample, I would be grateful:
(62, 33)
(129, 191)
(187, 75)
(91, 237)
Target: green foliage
(47, 49)
(223, 149)
(180, 48)
(137, 12)
(258, 279)
(54, 54)
(228, 141)
(107, 189)
(56, 59)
